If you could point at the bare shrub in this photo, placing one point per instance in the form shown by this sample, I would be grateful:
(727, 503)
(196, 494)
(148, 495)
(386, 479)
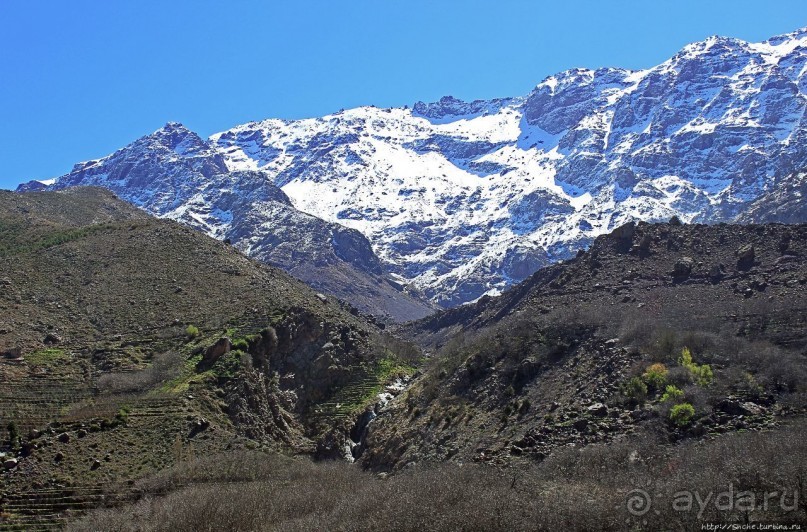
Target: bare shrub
(164, 367)
(574, 488)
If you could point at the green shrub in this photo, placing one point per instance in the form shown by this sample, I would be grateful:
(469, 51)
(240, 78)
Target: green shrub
(192, 331)
(241, 344)
(671, 393)
(228, 365)
(702, 373)
(120, 419)
(656, 377)
(681, 414)
(636, 389)
(51, 356)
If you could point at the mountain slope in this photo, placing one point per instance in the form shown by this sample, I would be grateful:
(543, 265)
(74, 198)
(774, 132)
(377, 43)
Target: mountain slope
(127, 343)
(175, 174)
(555, 360)
(463, 198)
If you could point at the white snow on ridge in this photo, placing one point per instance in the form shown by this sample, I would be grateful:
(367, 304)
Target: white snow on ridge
(460, 198)
(456, 189)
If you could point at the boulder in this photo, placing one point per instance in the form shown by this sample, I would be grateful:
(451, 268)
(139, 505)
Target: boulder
(598, 409)
(683, 267)
(752, 409)
(731, 407)
(581, 425)
(746, 253)
(10, 463)
(745, 257)
(222, 346)
(12, 353)
(52, 339)
(63, 437)
(625, 231)
(716, 273)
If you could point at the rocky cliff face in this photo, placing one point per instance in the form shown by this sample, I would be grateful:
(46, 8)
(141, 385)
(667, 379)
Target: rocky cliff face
(460, 199)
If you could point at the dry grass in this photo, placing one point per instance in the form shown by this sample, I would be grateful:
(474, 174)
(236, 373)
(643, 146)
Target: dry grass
(575, 489)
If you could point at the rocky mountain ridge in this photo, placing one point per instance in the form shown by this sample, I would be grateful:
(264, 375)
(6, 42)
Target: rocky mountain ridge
(549, 363)
(175, 174)
(461, 199)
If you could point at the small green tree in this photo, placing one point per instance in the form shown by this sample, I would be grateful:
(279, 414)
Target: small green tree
(681, 414)
(671, 393)
(656, 377)
(701, 373)
(636, 389)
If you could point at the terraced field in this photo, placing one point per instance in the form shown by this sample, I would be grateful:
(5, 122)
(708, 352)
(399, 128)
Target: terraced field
(105, 316)
(32, 402)
(48, 509)
(357, 394)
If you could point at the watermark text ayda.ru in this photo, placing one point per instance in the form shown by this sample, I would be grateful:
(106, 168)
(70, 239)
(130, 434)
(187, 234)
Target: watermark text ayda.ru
(639, 502)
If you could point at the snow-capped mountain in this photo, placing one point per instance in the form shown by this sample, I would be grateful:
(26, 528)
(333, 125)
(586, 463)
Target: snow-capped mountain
(173, 173)
(463, 198)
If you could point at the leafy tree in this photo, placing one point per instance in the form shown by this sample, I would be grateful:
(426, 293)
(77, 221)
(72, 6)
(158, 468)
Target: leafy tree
(656, 377)
(681, 414)
(702, 373)
(671, 393)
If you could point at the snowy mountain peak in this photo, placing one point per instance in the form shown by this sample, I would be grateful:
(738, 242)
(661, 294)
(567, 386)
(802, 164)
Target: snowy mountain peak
(449, 108)
(465, 198)
(799, 35)
(177, 138)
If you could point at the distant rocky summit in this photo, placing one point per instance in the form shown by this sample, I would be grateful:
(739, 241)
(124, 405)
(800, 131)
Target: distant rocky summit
(460, 199)
(175, 174)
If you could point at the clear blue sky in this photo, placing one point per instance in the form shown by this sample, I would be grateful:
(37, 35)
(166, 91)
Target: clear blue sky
(79, 79)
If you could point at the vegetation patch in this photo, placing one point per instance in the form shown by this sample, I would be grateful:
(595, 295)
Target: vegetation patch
(682, 414)
(47, 357)
(187, 375)
(192, 331)
(390, 367)
(14, 239)
(702, 373)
